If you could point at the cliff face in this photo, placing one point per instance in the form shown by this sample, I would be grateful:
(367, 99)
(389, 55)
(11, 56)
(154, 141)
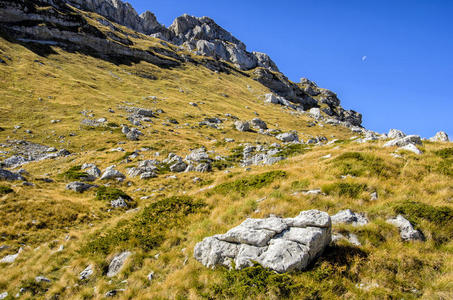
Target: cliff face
(61, 23)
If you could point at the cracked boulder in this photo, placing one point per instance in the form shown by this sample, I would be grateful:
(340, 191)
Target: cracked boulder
(282, 245)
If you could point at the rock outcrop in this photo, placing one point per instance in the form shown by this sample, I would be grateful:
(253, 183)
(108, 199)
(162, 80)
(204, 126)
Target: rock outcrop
(280, 244)
(407, 231)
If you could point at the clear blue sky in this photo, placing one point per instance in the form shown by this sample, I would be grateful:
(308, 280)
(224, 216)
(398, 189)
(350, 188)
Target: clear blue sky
(406, 80)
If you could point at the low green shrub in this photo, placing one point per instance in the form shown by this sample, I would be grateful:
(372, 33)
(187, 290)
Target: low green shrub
(252, 282)
(351, 190)
(106, 193)
(441, 218)
(5, 190)
(148, 229)
(293, 149)
(445, 153)
(300, 184)
(362, 164)
(231, 160)
(74, 173)
(445, 167)
(246, 184)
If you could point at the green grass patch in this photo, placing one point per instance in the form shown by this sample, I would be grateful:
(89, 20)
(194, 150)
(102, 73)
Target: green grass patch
(231, 160)
(148, 229)
(445, 153)
(441, 218)
(363, 164)
(344, 189)
(252, 282)
(300, 184)
(246, 184)
(74, 173)
(293, 149)
(5, 190)
(105, 193)
(445, 167)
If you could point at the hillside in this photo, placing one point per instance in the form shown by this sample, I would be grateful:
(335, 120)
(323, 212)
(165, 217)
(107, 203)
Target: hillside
(80, 93)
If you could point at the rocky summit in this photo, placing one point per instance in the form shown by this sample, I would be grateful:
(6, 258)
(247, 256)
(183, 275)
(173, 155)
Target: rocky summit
(139, 161)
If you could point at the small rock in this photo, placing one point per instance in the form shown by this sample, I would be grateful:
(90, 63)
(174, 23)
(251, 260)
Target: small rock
(86, 274)
(39, 279)
(288, 137)
(258, 123)
(395, 134)
(407, 231)
(411, 148)
(374, 196)
(112, 173)
(349, 217)
(441, 136)
(242, 126)
(120, 202)
(150, 276)
(9, 259)
(113, 293)
(401, 142)
(117, 263)
(79, 187)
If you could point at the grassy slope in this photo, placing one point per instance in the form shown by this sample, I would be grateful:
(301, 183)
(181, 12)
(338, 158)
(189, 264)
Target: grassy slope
(75, 82)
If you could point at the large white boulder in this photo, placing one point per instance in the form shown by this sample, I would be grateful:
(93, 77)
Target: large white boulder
(282, 245)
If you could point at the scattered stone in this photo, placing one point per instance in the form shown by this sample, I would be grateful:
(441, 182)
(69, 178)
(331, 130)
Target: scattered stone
(40, 279)
(193, 104)
(79, 187)
(288, 137)
(86, 274)
(396, 134)
(411, 148)
(120, 202)
(92, 170)
(113, 293)
(242, 126)
(373, 196)
(3, 295)
(349, 217)
(150, 276)
(280, 244)
(312, 192)
(441, 136)
(178, 167)
(258, 123)
(407, 231)
(117, 263)
(401, 142)
(10, 176)
(111, 173)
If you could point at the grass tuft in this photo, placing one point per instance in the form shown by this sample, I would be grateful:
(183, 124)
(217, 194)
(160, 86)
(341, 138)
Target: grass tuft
(350, 190)
(246, 184)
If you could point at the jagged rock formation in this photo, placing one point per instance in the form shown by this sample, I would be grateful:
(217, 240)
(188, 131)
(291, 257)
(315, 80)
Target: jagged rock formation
(280, 244)
(60, 23)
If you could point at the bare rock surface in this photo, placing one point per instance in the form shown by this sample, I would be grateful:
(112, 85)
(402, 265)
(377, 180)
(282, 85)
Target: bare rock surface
(282, 245)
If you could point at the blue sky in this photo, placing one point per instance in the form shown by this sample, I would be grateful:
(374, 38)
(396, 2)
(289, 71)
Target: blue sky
(405, 82)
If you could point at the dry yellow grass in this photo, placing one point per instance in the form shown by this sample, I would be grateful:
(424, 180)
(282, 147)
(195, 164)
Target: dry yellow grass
(68, 83)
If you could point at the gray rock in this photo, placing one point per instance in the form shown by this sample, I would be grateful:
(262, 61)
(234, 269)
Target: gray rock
(280, 244)
(9, 259)
(117, 263)
(113, 293)
(86, 274)
(347, 216)
(288, 137)
(150, 276)
(440, 136)
(242, 126)
(407, 231)
(374, 196)
(258, 123)
(79, 187)
(315, 112)
(203, 168)
(395, 134)
(3, 295)
(92, 170)
(39, 279)
(178, 167)
(112, 173)
(10, 176)
(411, 148)
(120, 202)
(401, 142)
(198, 155)
(14, 161)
